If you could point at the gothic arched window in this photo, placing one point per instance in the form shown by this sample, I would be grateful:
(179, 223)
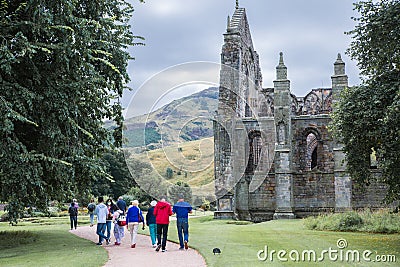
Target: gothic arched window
(311, 151)
(255, 146)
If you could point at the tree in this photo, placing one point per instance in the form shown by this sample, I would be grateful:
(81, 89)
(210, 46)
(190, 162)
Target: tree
(169, 173)
(366, 119)
(180, 188)
(121, 179)
(63, 69)
(147, 178)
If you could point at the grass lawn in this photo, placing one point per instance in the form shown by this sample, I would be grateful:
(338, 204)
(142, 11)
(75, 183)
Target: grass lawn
(240, 243)
(47, 242)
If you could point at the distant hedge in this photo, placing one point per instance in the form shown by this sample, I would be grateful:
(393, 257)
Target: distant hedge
(381, 221)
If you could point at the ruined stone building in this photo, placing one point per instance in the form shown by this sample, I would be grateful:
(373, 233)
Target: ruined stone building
(274, 155)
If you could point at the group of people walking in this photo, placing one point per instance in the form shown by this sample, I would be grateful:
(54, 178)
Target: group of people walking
(157, 219)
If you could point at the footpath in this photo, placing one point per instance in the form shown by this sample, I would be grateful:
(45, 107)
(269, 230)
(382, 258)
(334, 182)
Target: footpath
(144, 254)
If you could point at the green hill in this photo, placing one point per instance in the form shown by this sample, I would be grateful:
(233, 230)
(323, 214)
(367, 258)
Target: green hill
(191, 162)
(185, 119)
(176, 139)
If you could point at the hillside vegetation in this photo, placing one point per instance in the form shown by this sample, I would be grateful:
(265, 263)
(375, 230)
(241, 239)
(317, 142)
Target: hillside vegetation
(185, 119)
(191, 162)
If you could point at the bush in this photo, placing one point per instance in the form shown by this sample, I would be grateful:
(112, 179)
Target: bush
(365, 221)
(350, 221)
(169, 173)
(4, 217)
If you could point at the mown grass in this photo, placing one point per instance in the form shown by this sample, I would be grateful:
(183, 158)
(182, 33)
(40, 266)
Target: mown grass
(10, 239)
(47, 242)
(364, 221)
(240, 243)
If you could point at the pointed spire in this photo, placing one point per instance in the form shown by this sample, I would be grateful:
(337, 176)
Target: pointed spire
(281, 70)
(339, 78)
(237, 4)
(339, 59)
(339, 66)
(228, 23)
(281, 63)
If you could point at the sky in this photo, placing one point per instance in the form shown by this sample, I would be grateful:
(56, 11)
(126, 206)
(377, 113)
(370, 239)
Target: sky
(183, 40)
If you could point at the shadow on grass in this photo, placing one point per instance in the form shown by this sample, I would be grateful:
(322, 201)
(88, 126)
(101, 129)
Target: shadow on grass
(41, 244)
(13, 239)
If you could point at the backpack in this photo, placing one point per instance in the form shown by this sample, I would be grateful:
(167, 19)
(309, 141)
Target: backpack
(91, 207)
(121, 220)
(73, 211)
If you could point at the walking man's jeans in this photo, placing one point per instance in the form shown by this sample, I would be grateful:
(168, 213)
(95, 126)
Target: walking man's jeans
(74, 221)
(101, 228)
(162, 229)
(91, 215)
(108, 226)
(183, 230)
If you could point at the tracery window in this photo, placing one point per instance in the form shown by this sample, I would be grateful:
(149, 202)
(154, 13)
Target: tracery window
(255, 147)
(311, 152)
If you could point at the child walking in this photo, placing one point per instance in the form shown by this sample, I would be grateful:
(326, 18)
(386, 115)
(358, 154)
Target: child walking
(119, 227)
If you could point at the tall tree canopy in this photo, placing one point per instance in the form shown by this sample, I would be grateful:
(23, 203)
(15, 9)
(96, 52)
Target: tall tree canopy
(367, 118)
(63, 68)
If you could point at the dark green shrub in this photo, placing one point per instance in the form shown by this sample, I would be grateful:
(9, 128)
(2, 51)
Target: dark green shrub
(380, 221)
(4, 217)
(349, 221)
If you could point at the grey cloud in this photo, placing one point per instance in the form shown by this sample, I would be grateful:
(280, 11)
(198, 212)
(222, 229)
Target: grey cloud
(309, 32)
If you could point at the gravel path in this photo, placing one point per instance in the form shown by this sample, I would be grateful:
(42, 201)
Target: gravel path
(143, 254)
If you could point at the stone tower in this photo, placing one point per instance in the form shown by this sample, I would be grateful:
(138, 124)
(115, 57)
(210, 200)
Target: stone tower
(274, 155)
(283, 175)
(343, 183)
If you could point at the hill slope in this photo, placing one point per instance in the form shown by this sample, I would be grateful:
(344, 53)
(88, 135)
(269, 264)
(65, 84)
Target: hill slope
(185, 119)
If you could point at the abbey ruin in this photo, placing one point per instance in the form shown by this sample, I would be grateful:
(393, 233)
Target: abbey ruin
(274, 155)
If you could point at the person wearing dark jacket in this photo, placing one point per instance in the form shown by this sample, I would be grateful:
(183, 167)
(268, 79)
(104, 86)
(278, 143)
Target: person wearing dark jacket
(73, 215)
(162, 211)
(111, 207)
(182, 210)
(121, 204)
(151, 223)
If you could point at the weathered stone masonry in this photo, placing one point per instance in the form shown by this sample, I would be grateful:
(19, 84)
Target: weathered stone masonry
(274, 155)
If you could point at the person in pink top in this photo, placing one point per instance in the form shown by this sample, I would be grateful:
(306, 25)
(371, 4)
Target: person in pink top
(162, 211)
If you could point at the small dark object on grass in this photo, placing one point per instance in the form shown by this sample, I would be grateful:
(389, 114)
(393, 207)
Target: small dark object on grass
(216, 251)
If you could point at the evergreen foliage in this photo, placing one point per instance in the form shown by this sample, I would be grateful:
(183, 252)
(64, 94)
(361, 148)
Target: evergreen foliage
(180, 188)
(366, 119)
(63, 69)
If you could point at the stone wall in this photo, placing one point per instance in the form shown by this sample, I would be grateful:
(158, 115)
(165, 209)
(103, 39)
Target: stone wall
(369, 196)
(274, 155)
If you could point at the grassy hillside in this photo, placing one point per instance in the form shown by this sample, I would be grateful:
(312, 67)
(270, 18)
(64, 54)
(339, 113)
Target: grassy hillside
(185, 119)
(191, 162)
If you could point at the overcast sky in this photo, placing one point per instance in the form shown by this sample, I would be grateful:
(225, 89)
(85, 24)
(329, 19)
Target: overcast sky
(310, 33)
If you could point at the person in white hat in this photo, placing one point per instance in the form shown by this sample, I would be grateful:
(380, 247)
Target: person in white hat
(133, 218)
(151, 223)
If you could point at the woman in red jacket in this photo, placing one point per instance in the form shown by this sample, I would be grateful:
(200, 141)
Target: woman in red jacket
(162, 211)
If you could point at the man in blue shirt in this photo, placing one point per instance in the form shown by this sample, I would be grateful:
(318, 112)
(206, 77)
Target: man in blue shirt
(182, 210)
